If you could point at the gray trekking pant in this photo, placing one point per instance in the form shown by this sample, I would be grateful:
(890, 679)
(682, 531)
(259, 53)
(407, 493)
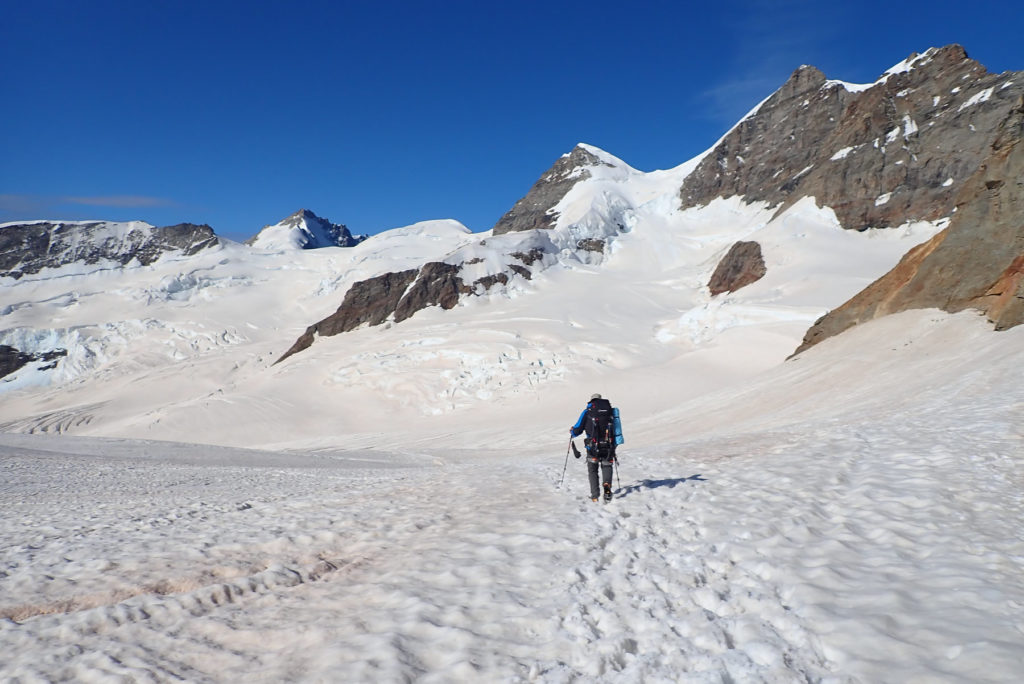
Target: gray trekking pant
(605, 464)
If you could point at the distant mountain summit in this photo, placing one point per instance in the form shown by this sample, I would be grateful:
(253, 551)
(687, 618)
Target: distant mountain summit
(28, 248)
(304, 230)
(537, 208)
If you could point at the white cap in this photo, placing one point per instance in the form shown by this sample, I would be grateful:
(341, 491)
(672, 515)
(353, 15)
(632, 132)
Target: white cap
(595, 396)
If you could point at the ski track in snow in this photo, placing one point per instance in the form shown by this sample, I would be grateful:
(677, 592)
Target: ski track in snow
(834, 552)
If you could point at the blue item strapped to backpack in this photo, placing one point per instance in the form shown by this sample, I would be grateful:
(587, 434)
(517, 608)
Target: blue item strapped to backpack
(617, 421)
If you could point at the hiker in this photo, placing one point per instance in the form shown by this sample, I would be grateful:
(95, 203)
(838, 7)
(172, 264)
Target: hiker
(600, 421)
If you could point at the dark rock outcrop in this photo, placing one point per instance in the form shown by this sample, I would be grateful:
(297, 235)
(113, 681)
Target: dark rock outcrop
(12, 359)
(391, 296)
(976, 262)
(895, 152)
(535, 209)
(368, 301)
(438, 284)
(742, 265)
(31, 247)
(528, 258)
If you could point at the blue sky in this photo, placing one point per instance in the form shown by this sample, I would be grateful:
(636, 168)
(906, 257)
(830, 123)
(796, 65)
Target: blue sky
(381, 114)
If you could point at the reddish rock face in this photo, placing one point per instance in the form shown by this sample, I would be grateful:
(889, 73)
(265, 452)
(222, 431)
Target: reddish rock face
(741, 266)
(977, 262)
(1005, 305)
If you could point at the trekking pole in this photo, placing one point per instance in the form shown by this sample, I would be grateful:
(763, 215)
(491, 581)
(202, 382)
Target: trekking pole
(617, 472)
(566, 463)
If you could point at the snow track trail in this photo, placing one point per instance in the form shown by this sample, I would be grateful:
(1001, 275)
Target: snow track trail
(825, 553)
(659, 596)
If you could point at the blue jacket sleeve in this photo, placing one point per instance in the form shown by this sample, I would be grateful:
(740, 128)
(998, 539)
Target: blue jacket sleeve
(576, 429)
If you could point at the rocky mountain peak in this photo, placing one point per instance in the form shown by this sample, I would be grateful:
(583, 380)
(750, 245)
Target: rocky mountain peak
(300, 216)
(803, 80)
(304, 230)
(879, 155)
(934, 59)
(536, 208)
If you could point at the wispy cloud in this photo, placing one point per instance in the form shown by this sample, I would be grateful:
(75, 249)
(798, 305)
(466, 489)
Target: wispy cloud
(26, 207)
(766, 42)
(21, 204)
(123, 201)
(729, 101)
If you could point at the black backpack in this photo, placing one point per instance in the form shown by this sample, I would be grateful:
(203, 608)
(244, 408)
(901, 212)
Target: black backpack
(600, 426)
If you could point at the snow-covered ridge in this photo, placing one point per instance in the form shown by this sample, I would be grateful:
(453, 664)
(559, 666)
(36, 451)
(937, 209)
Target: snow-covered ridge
(118, 319)
(616, 222)
(601, 208)
(57, 249)
(912, 62)
(571, 215)
(604, 157)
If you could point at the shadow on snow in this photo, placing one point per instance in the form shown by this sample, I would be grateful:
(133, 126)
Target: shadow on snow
(655, 484)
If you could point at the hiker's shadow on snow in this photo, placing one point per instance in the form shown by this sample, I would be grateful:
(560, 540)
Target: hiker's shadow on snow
(656, 484)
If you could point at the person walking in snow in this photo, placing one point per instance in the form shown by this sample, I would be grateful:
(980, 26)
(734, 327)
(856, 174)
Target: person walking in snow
(600, 421)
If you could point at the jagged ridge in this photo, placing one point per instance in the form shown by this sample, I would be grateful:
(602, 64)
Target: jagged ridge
(28, 248)
(879, 156)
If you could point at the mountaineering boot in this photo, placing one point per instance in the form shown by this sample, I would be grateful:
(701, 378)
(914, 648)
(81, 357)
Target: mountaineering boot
(607, 491)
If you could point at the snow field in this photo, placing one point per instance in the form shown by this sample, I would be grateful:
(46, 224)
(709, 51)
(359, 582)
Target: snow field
(880, 544)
